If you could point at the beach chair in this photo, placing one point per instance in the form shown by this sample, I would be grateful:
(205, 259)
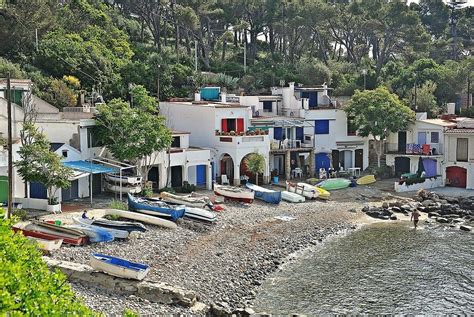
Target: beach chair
(224, 180)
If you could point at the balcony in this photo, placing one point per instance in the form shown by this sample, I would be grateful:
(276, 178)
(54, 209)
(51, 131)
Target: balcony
(291, 144)
(414, 149)
(243, 140)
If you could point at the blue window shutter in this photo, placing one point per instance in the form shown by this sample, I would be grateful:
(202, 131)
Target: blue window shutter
(277, 133)
(299, 134)
(321, 127)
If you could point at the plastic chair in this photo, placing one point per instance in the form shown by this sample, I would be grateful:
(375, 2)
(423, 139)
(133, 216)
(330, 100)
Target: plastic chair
(224, 180)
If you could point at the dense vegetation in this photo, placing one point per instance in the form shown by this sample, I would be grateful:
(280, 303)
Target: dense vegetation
(110, 44)
(29, 288)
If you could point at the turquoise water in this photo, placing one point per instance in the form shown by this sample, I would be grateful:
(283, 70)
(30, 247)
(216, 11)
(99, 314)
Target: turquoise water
(379, 269)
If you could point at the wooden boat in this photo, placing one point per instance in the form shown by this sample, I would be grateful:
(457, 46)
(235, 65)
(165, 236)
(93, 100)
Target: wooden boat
(47, 231)
(334, 183)
(292, 197)
(118, 267)
(119, 234)
(125, 189)
(187, 200)
(365, 180)
(267, 195)
(47, 243)
(119, 225)
(95, 234)
(234, 193)
(323, 194)
(142, 218)
(124, 179)
(306, 190)
(200, 214)
(155, 207)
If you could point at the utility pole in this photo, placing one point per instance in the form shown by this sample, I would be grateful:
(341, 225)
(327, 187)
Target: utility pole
(10, 149)
(158, 84)
(245, 53)
(454, 5)
(195, 56)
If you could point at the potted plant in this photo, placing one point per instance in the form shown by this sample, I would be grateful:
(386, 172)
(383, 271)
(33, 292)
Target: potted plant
(217, 132)
(232, 132)
(241, 133)
(266, 132)
(53, 205)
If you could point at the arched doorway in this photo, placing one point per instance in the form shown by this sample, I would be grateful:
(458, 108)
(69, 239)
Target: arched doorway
(246, 174)
(227, 166)
(456, 176)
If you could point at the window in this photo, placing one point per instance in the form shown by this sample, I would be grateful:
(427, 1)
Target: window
(461, 149)
(64, 153)
(351, 128)
(321, 127)
(434, 137)
(176, 142)
(267, 106)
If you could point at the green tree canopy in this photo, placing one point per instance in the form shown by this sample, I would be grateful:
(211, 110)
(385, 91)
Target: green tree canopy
(256, 164)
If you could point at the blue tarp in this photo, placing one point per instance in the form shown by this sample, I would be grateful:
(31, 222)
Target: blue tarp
(90, 167)
(270, 196)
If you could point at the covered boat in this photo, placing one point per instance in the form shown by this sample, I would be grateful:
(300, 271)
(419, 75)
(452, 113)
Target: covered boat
(186, 200)
(119, 225)
(306, 190)
(116, 233)
(155, 207)
(95, 234)
(292, 197)
(142, 218)
(267, 195)
(118, 267)
(124, 179)
(234, 193)
(47, 243)
(334, 183)
(200, 214)
(47, 231)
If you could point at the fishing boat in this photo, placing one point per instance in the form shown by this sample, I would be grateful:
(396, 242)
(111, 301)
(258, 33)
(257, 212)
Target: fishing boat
(95, 234)
(292, 197)
(200, 214)
(187, 200)
(119, 225)
(234, 193)
(118, 267)
(116, 233)
(43, 230)
(124, 179)
(334, 183)
(267, 195)
(323, 194)
(306, 190)
(155, 207)
(47, 244)
(142, 218)
(365, 180)
(132, 189)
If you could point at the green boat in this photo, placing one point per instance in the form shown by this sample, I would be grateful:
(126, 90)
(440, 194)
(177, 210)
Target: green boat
(334, 183)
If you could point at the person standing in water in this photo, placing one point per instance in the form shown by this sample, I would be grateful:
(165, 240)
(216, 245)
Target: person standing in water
(415, 215)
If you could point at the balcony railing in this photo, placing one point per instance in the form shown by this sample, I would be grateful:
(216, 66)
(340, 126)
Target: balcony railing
(242, 139)
(414, 149)
(290, 144)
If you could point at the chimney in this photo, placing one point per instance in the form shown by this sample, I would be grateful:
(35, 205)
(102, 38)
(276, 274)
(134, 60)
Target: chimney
(223, 97)
(197, 96)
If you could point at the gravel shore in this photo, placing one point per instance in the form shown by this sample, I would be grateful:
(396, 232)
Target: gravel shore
(225, 262)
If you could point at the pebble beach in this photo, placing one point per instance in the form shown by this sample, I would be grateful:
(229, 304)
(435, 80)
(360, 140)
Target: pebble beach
(223, 263)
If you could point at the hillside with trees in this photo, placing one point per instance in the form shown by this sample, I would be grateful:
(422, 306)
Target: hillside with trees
(72, 45)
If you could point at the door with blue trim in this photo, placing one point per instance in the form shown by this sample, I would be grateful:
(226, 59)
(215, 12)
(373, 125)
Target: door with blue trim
(201, 175)
(38, 191)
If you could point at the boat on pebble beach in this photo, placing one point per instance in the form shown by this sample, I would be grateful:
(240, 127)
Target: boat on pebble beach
(186, 200)
(234, 193)
(267, 195)
(116, 233)
(117, 225)
(303, 189)
(124, 179)
(132, 189)
(48, 244)
(155, 207)
(95, 234)
(366, 180)
(118, 267)
(142, 218)
(334, 183)
(292, 197)
(200, 214)
(47, 231)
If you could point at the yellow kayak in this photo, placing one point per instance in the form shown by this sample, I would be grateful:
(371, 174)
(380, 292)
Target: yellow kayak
(365, 180)
(323, 194)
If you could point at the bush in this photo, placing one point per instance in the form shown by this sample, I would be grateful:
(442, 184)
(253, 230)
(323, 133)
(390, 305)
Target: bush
(117, 204)
(20, 214)
(168, 190)
(186, 188)
(28, 286)
(147, 190)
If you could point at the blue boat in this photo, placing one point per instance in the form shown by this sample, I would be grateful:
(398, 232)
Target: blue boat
(118, 267)
(155, 207)
(95, 234)
(267, 195)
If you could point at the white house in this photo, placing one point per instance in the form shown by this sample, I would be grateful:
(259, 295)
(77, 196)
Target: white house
(222, 128)
(424, 139)
(458, 165)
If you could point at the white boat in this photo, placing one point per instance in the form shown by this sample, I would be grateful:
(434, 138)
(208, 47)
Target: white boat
(120, 234)
(188, 200)
(118, 267)
(235, 193)
(292, 197)
(306, 190)
(124, 179)
(48, 245)
(200, 214)
(142, 218)
(125, 189)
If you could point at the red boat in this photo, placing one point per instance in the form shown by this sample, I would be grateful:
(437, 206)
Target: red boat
(48, 231)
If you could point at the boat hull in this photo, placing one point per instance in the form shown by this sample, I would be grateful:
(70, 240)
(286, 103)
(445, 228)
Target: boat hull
(323, 194)
(159, 208)
(334, 184)
(303, 189)
(48, 244)
(142, 218)
(292, 197)
(119, 234)
(118, 267)
(47, 236)
(94, 233)
(234, 193)
(365, 180)
(267, 195)
(133, 180)
(200, 214)
(184, 200)
(125, 189)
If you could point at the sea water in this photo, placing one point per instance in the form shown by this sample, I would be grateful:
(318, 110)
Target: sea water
(383, 268)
